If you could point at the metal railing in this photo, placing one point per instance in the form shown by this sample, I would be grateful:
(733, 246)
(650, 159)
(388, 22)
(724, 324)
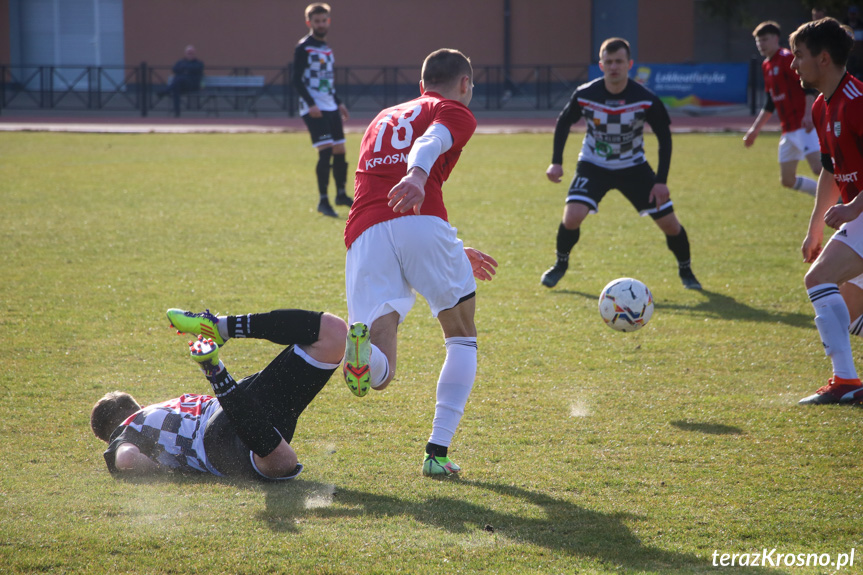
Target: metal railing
(362, 88)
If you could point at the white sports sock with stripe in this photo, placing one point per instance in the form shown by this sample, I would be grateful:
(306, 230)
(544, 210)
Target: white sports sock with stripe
(453, 388)
(833, 321)
(807, 185)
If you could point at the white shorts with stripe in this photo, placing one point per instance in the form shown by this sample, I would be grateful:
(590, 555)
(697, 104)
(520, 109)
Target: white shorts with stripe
(795, 146)
(393, 261)
(851, 234)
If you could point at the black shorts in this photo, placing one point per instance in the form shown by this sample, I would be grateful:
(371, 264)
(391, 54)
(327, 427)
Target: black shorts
(592, 182)
(326, 130)
(284, 388)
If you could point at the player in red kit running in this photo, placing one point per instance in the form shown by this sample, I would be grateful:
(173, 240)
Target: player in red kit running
(821, 50)
(400, 242)
(787, 97)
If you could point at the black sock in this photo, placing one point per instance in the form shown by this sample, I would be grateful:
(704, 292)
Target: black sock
(340, 172)
(566, 240)
(322, 170)
(251, 422)
(679, 246)
(436, 450)
(281, 326)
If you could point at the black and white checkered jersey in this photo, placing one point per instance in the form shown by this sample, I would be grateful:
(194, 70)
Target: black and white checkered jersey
(615, 124)
(313, 75)
(170, 433)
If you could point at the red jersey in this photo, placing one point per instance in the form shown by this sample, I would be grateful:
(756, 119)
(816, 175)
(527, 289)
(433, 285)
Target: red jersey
(384, 158)
(839, 122)
(783, 85)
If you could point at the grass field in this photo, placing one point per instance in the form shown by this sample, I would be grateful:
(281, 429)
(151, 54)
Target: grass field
(584, 450)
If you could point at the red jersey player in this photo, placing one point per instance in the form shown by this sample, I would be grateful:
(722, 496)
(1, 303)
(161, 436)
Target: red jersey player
(785, 96)
(821, 49)
(400, 242)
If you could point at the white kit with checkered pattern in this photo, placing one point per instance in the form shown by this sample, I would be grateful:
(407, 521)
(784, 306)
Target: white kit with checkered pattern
(615, 123)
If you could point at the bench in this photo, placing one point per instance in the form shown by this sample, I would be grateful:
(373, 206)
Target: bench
(241, 92)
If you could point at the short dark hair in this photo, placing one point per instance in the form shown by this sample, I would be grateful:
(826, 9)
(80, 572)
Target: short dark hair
(445, 66)
(110, 411)
(767, 27)
(317, 8)
(825, 34)
(613, 45)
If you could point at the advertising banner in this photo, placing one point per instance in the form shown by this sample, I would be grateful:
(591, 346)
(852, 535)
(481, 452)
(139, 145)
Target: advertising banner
(692, 87)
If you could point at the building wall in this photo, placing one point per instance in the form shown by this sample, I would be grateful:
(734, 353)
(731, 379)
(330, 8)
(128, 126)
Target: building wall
(550, 32)
(666, 31)
(378, 32)
(384, 32)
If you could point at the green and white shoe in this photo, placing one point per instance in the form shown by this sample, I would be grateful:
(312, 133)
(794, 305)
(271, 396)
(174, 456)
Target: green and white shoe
(439, 466)
(205, 353)
(358, 351)
(203, 323)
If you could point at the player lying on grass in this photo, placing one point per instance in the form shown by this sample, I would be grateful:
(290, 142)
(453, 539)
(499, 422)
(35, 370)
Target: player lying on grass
(246, 429)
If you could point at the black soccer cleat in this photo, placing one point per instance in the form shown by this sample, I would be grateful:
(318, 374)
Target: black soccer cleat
(342, 199)
(554, 274)
(326, 209)
(688, 278)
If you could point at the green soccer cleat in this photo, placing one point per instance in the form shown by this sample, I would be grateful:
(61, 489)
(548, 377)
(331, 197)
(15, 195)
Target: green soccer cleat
(358, 351)
(205, 324)
(205, 353)
(439, 466)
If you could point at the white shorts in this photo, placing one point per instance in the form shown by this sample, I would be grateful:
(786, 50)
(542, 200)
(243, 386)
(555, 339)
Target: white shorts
(858, 281)
(795, 146)
(851, 234)
(393, 261)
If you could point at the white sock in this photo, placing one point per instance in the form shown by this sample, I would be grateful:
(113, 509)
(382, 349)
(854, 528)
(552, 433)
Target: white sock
(453, 388)
(833, 322)
(222, 326)
(856, 327)
(380, 366)
(807, 185)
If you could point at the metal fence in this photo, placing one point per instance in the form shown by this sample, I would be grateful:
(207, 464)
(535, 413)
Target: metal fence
(362, 88)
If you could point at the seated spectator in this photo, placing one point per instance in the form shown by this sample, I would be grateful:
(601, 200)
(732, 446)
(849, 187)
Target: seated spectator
(188, 74)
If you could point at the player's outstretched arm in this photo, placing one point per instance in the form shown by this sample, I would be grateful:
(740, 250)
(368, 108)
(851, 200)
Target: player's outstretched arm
(554, 173)
(751, 134)
(482, 264)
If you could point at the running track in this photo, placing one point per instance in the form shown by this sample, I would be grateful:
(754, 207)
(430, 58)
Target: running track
(487, 124)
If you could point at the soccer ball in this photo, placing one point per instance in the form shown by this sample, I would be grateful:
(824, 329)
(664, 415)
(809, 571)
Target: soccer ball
(625, 304)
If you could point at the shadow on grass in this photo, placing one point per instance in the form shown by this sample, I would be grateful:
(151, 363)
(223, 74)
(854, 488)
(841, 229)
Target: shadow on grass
(721, 306)
(709, 428)
(563, 527)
